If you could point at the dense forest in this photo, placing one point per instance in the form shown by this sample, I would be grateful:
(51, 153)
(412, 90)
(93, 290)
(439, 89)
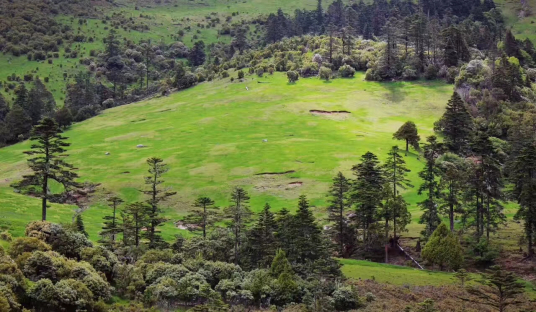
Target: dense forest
(481, 158)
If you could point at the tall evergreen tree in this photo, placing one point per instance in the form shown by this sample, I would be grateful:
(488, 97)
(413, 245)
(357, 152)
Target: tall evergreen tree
(79, 224)
(135, 219)
(453, 170)
(157, 194)
(18, 124)
(239, 215)
(48, 149)
(443, 249)
(262, 238)
(205, 214)
(197, 54)
(4, 107)
(112, 226)
(396, 177)
(408, 132)
(431, 186)
(40, 102)
(339, 203)
(367, 192)
(306, 233)
(511, 46)
(524, 180)
(456, 125)
(284, 234)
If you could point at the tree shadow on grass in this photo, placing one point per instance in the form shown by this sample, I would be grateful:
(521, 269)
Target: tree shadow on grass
(395, 92)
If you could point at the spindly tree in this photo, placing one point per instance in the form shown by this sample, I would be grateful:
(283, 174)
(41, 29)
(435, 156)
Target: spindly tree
(79, 224)
(339, 203)
(156, 194)
(396, 176)
(238, 215)
(456, 125)
(431, 186)
(443, 249)
(408, 132)
(501, 289)
(367, 191)
(204, 215)
(134, 220)
(48, 149)
(112, 226)
(453, 173)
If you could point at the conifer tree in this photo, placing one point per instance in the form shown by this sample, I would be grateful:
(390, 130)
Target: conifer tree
(408, 132)
(197, 54)
(40, 102)
(262, 239)
(112, 226)
(4, 108)
(48, 149)
(79, 224)
(367, 191)
(501, 289)
(456, 125)
(306, 233)
(284, 233)
(453, 171)
(238, 214)
(204, 216)
(443, 249)
(157, 194)
(319, 15)
(396, 177)
(18, 123)
(511, 47)
(22, 98)
(339, 203)
(134, 220)
(524, 180)
(280, 264)
(431, 186)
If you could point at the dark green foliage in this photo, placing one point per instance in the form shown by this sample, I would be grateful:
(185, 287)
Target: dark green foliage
(79, 224)
(455, 47)
(501, 289)
(262, 238)
(456, 125)
(112, 226)
(408, 133)
(40, 102)
(63, 117)
(48, 149)
(511, 47)
(157, 194)
(17, 125)
(507, 76)
(292, 76)
(204, 216)
(453, 176)
(431, 186)
(342, 234)
(238, 215)
(134, 220)
(4, 108)
(367, 191)
(197, 54)
(443, 249)
(307, 233)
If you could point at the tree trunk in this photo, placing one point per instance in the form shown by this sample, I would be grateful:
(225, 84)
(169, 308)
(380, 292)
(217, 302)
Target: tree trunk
(407, 147)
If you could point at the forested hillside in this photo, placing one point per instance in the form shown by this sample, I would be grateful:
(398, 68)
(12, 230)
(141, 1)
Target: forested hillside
(310, 155)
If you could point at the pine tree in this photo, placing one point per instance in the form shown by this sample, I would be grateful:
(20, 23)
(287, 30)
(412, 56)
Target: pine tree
(197, 54)
(463, 276)
(501, 289)
(204, 216)
(453, 170)
(22, 98)
(238, 214)
(134, 220)
(280, 264)
(431, 186)
(443, 249)
(367, 192)
(511, 47)
(390, 55)
(456, 125)
(262, 239)
(283, 235)
(524, 180)
(18, 123)
(395, 174)
(339, 203)
(455, 47)
(4, 107)
(148, 54)
(319, 15)
(157, 194)
(408, 132)
(79, 224)
(40, 102)
(306, 233)
(112, 44)
(64, 117)
(49, 149)
(112, 226)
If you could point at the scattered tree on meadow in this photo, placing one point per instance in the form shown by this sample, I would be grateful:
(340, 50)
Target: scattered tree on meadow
(501, 289)
(48, 149)
(463, 276)
(157, 194)
(204, 216)
(443, 249)
(408, 133)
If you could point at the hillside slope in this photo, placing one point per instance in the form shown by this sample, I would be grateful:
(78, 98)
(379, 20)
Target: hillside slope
(220, 134)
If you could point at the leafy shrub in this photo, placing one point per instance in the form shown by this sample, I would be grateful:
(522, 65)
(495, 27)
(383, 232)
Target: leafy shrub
(292, 76)
(6, 236)
(325, 73)
(225, 74)
(240, 74)
(259, 71)
(346, 71)
(409, 73)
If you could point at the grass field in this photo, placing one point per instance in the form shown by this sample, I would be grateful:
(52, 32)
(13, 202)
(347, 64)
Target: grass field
(522, 27)
(212, 136)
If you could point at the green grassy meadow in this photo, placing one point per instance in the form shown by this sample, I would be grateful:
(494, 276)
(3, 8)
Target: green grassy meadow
(212, 136)
(521, 27)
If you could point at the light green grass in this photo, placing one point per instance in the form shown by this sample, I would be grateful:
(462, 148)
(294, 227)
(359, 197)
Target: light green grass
(212, 138)
(522, 27)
